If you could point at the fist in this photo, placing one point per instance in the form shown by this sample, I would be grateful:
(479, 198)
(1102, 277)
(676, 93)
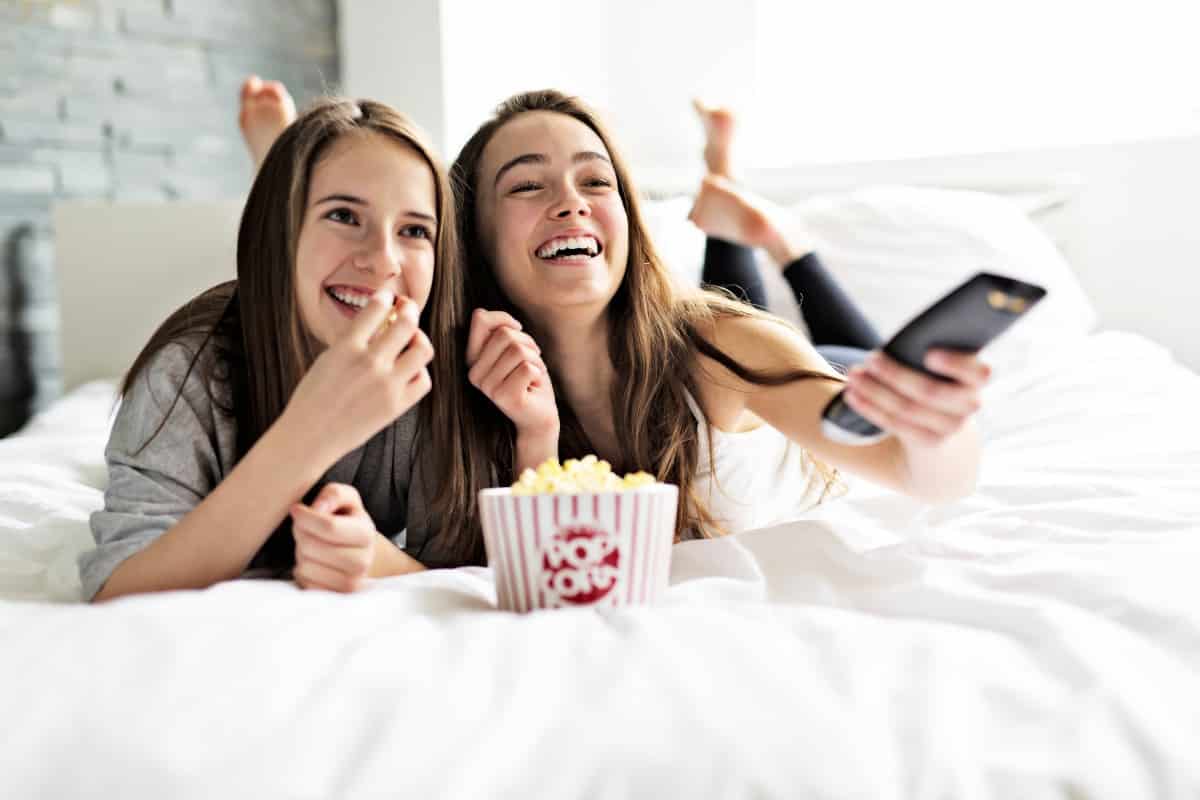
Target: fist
(506, 365)
(335, 540)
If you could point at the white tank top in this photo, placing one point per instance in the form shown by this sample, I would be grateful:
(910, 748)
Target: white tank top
(756, 478)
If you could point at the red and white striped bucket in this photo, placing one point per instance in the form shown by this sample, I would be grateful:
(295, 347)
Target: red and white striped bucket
(562, 550)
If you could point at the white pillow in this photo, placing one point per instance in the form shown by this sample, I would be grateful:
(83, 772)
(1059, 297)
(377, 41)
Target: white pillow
(896, 249)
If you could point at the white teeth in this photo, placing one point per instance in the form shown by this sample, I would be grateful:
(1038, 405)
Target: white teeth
(350, 298)
(551, 248)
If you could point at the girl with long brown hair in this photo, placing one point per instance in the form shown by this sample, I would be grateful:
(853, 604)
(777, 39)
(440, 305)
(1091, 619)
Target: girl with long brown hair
(270, 422)
(699, 389)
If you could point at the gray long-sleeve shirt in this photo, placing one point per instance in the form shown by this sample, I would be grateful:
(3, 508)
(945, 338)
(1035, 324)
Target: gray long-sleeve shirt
(151, 488)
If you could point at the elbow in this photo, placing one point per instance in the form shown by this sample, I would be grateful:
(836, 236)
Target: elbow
(105, 594)
(111, 589)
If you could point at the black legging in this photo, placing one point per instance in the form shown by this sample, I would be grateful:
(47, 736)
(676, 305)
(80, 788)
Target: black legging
(839, 330)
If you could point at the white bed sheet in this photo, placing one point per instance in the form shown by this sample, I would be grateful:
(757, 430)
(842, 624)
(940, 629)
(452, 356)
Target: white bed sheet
(1040, 639)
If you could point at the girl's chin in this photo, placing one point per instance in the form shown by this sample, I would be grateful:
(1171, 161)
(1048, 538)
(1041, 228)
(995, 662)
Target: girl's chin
(581, 298)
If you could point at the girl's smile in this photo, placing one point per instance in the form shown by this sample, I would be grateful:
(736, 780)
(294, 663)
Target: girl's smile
(551, 214)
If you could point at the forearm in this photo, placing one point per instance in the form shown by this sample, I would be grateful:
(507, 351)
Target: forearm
(217, 539)
(944, 472)
(391, 560)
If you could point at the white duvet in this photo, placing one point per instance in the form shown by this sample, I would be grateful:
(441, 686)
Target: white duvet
(1040, 639)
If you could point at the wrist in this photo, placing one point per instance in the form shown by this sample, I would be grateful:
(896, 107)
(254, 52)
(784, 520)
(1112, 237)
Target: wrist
(388, 559)
(785, 248)
(535, 446)
(297, 449)
(308, 443)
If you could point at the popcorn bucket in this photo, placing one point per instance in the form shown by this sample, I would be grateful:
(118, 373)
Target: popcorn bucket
(609, 548)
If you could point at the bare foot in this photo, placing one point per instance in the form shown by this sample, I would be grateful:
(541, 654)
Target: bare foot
(725, 211)
(718, 124)
(266, 109)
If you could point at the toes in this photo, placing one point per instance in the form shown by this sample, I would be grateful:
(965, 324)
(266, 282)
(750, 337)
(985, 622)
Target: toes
(251, 86)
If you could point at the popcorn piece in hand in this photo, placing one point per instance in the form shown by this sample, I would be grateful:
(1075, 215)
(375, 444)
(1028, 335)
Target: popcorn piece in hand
(587, 474)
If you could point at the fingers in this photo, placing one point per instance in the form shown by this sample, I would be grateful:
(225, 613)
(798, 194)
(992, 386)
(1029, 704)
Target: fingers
(390, 338)
(503, 352)
(483, 322)
(519, 381)
(343, 558)
(965, 368)
(512, 358)
(499, 341)
(414, 359)
(341, 530)
(891, 422)
(367, 321)
(338, 498)
(315, 575)
(949, 397)
(898, 414)
(333, 551)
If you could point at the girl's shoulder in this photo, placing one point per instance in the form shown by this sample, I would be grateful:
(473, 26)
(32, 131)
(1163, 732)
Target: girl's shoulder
(194, 368)
(736, 346)
(741, 354)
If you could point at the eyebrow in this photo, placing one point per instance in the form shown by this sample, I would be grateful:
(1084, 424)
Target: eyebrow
(542, 158)
(358, 201)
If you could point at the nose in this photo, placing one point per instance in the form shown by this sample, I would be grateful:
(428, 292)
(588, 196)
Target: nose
(570, 203)
(379, 254)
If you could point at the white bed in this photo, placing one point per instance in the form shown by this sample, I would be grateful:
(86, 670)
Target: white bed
(1039, 639)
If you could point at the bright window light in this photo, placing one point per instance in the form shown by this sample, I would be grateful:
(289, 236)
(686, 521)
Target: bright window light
(857, 80)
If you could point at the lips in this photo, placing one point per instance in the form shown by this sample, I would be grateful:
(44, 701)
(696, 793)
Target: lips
(572, 246)
(349, 296)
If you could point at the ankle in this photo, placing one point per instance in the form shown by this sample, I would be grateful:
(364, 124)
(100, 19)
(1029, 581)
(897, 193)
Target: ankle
(785, 247)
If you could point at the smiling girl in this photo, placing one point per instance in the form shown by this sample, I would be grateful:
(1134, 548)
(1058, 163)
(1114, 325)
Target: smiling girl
(269, 423)
(701, 390)
(581, 342)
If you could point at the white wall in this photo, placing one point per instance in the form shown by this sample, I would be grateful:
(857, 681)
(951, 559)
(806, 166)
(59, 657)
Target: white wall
(1138, 214)
(458, 58)
(494, 50)
(392, 52)
(936, 77)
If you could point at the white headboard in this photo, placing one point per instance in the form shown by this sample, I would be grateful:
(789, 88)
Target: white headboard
(124, 267)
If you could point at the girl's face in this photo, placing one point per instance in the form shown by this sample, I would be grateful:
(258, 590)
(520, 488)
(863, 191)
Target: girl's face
(550, 215)
(370, 222)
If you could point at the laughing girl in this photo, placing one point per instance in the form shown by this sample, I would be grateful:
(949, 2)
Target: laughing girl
(270, 422)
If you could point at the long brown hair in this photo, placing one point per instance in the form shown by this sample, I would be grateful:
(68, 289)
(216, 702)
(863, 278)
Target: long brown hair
(653, 349)
(260, 346)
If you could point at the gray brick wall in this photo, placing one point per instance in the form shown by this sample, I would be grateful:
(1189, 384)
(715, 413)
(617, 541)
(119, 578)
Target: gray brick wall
(125, 100)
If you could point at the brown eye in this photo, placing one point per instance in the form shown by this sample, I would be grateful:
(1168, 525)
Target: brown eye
(416, 232)
(342, 215)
